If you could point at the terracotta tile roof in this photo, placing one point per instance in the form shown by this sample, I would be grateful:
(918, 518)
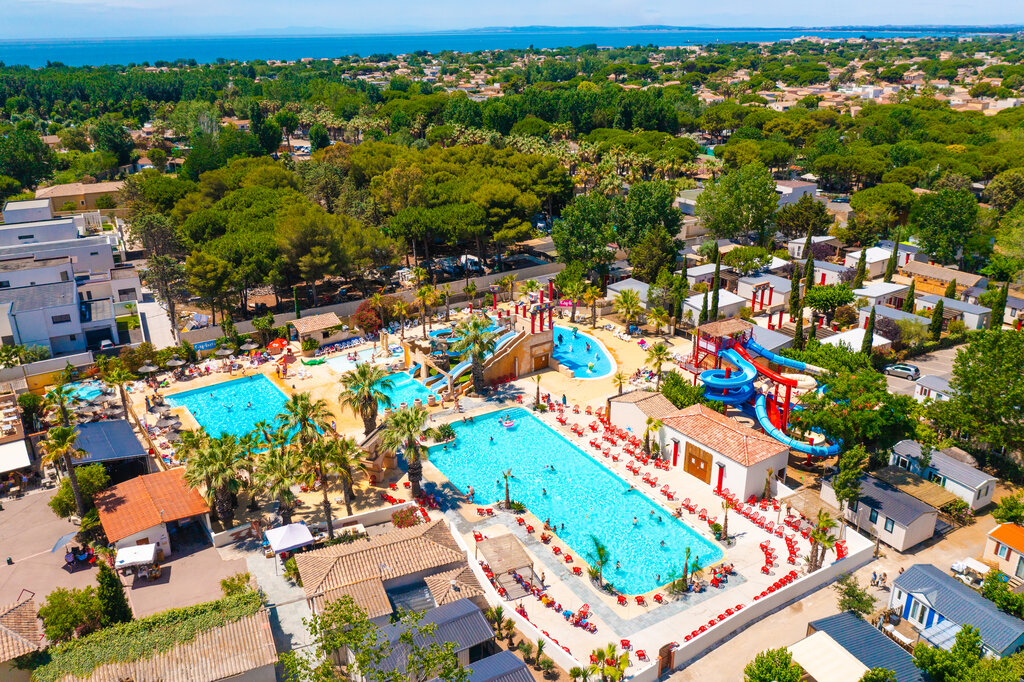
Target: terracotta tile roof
(650, 403)
(333, 571)
(441, 588)
(20, 630)
(717, 432)
(147, 501)
(315, 323)
(1010, 534)
(76, 188)
(216, 654)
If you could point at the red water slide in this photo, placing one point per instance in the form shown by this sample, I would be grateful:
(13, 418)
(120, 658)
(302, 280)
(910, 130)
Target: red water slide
(771, 374)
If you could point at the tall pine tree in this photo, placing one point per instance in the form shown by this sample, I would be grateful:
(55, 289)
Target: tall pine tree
(798, 336)
(869, 334)
(999, 308)
(703, 311)
(890, 266)
(935, 328)
(113, 604)
(908, 304)
(814, 328)
(713, 313)
(950, 291)
(862, 270)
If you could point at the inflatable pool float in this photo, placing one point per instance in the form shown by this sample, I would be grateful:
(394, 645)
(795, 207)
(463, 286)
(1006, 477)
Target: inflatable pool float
(508, 424)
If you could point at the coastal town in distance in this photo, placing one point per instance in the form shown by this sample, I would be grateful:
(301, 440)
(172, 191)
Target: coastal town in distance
(686, 361)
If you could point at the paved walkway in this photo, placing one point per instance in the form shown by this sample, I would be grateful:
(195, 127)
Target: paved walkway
(155, 322)
(286, 602)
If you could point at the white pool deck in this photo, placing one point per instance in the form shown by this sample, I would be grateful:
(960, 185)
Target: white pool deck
(649, 626)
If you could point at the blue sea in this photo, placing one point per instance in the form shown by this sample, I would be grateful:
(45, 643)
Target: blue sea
(205, 49)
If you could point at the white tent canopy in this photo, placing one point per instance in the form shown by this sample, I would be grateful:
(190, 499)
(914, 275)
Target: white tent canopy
(138, 555)
(13, 455)
(287, 538)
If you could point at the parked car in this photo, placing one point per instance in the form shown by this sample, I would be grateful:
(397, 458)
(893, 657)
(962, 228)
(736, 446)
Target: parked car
(903, 370)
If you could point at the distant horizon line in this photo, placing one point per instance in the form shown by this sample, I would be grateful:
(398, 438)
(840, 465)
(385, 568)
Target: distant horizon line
(297, 32)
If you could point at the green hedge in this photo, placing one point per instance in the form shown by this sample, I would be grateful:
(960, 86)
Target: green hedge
(145, 637)
(927, 347)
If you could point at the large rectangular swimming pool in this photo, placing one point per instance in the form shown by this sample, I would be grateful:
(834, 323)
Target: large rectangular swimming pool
(581, 493)
(233, 407)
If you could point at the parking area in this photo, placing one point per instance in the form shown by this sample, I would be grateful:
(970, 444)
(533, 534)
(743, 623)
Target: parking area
(939, 363)
(29, 529)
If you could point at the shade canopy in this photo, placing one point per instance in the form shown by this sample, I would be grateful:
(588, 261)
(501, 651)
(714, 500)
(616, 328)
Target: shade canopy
(64, 540)
(224, 351)
(148, 369)
(175, 362)
(277, 343)
(287, 538)
(13, 456)
(135, 555)
(249, 345)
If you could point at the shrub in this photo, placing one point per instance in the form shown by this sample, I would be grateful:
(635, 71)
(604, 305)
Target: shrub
(405, 518)
(69, 612)
(235, 584)
(291, 571)
(959, 511)
(518, 507)
(92, 479)
(310, 343)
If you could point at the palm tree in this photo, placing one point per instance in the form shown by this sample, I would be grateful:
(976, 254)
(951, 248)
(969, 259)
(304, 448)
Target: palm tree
(726, 506)
(347, 460)
(364, 390)
(446, 293)
(306, 419)
(119, 376)
(475, 342)
(627, 304)
(659, 316)
(530, 286)
(619, 380)
(652, 426)
(401, 312)
(599, 558)
(821, 539)
(507, 474)
(591, 295)
(426, 295)
(470, 289)
(60, 398)
(508, 283)
(276, 472)
(617, 669)
(61, 445)
(316, 461)
(573, 290)
(402, 430)
(657, 355)
(217, 467)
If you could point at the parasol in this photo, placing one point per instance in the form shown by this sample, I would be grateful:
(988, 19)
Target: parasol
(249, 345)
(148, 369)
(167, 421)
(224, 351)
(175, 362)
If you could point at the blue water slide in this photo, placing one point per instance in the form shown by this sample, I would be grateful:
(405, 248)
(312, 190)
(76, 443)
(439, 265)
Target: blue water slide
(738, 383)
(412, 370)
(761, 412)
(757, 348)
(435, 382)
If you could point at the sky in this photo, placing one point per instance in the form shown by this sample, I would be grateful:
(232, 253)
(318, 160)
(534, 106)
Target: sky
(31, 19)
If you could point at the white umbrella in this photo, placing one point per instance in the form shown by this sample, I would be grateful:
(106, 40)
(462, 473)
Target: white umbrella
(248, 346)
(148, 369)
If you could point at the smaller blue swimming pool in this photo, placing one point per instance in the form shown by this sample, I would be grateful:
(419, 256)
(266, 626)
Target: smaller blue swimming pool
(341, 363)
(405, 389)
(233, 407)
(582, 353)
(85, 390)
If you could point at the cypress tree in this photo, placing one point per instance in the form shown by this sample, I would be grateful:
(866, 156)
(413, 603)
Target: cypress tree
(703, 311)
(713, 315)
(794, 294)
(935, 328)
(869, 333)
(814, 328)
(908, 305)
(808, 275)
(890, 267)
(798, 336)
(113, 604)
(950, 291)
(862, 270)
(999, 308)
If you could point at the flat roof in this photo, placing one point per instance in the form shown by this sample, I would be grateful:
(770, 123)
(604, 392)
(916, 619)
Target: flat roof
(40, 296)
(955, 304)
(31, 263)
(108, 441)
(14, 456)
(27, 203)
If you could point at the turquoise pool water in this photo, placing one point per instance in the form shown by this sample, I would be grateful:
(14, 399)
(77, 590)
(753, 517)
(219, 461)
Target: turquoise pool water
(580, 493)
(571, 351)
(341, 364)
(405, 389)
(233, 407)
(85, 390)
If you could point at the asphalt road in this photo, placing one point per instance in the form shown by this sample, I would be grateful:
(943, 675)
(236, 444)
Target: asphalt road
(939, 363)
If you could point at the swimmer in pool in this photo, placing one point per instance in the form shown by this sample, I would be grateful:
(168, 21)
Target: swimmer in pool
(662, 543)
(618, 565)
(634, 520)
(588, 347)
